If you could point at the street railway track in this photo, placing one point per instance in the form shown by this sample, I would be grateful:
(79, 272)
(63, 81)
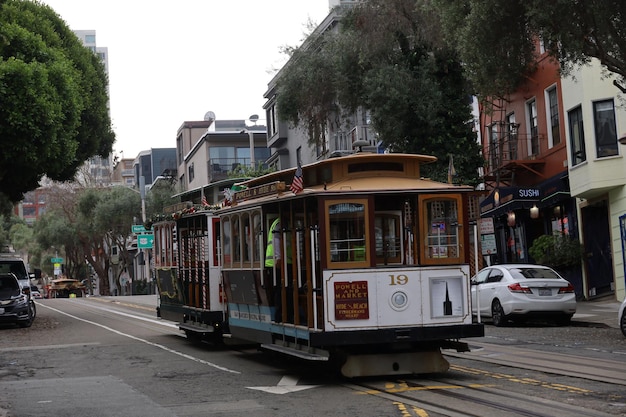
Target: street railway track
(453, 398)
(577, 366)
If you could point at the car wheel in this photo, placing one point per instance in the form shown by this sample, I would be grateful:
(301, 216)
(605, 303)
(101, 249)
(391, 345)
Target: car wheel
(497, 314)
(622, 323)
(33, 309)
(28, 322)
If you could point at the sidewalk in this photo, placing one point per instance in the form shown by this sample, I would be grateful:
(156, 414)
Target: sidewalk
(601, 312)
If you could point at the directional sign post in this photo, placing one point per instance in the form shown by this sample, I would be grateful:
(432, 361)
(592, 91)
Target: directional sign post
(139, 228)
(145, 241)
(56, 260)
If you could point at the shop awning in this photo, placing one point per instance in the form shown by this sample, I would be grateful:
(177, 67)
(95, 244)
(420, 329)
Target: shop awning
(554, 189)
(505, 199)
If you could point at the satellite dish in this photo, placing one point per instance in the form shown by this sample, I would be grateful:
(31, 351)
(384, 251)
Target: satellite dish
(254, 118)
(209, 116)
(359, 144)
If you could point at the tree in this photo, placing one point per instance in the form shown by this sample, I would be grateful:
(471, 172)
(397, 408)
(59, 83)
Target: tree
(87, 223)
(496, 38)
(54, 114)
(160, 196)
(387, 59)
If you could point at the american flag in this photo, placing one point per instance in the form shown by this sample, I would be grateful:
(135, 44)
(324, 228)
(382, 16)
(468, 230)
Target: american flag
(297, 185)
(204, 202)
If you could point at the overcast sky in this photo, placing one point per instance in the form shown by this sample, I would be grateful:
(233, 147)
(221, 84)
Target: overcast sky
(171, 62)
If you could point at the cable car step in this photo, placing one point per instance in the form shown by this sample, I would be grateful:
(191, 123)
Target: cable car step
(196, 329)
(296, 352)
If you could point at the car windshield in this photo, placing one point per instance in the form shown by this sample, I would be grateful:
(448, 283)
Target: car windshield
(530, 273)
(15, 267)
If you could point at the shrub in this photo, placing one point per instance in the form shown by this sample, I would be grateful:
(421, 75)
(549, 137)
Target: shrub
(557, 251)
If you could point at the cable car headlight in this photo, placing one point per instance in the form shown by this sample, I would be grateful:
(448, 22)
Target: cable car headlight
(399, 300)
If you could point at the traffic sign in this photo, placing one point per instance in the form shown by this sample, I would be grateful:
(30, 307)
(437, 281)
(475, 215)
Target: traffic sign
(139, 228)
(145, 241)
(56, 260)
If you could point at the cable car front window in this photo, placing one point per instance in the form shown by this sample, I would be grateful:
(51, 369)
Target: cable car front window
(347, 232)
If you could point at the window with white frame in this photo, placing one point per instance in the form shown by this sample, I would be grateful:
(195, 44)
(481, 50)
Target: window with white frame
(492, 134)
(577, 136)
(531, 112)
(604, 126)
(511, 129)
(553, 116)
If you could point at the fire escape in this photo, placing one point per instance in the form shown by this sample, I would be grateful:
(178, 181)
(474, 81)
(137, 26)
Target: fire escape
(508, 153)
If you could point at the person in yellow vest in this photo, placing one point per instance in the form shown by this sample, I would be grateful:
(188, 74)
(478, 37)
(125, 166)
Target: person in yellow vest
(273, 259)
(273, 251)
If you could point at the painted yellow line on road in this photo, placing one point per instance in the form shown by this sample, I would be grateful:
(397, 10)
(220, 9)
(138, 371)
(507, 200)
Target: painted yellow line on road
(526, 381)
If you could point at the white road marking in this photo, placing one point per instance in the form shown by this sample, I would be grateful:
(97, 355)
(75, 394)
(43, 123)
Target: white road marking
(130, 336)
(161, 322)
(286, 385)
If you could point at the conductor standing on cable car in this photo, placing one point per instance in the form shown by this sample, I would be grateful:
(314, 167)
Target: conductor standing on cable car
(273, 259)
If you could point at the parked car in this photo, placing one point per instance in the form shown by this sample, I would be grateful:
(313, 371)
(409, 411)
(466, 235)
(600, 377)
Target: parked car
(16, 305)
(621, 316)
(16, 266)
(516, 292)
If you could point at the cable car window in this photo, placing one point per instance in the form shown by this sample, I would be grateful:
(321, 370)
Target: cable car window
(247, 238)
(347, 232)
(440, 229)
(257, 237)
(226, 242)
(236, 239)
(388, 238)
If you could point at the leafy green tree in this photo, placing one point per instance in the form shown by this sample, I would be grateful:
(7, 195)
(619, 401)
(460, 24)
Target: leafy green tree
(388, 59)
(56, 232)
(496, 38)
(160, 196)
(4, 234)
(86, 224)
(21, 236)
(54, 113)
(243, 171)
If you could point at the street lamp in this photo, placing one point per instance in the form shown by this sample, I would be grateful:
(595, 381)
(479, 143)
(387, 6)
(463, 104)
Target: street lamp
(254, 118)
(142, 193)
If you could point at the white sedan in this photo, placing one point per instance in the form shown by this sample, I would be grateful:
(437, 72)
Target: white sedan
(514, 292)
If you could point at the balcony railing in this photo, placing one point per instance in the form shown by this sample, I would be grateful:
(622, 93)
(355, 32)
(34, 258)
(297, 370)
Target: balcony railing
(221, 168)
(512, 149)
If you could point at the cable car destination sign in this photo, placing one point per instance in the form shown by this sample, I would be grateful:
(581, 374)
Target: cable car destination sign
(260, 191)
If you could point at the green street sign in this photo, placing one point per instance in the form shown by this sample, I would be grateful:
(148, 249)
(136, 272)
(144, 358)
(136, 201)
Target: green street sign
(138, 228)
(145, 241)
(56, 260)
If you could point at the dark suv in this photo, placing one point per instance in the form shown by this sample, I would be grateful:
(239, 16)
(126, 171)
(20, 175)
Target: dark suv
(15, 303)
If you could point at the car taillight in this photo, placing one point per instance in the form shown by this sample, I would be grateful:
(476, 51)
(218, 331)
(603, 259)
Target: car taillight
(566, 290)
(518, 288)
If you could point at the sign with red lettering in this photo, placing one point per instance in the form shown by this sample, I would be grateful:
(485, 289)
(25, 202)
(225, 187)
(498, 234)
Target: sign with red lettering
(351, 301)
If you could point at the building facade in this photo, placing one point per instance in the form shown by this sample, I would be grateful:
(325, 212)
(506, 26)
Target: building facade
(216, 151)
(553, 166)
(595, 120)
